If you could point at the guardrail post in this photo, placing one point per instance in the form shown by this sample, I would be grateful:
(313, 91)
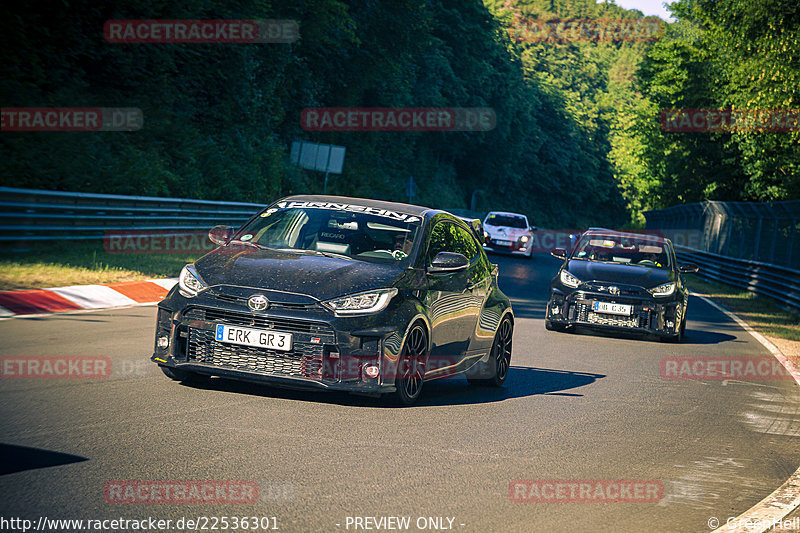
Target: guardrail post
(757, 244)
(772, 244)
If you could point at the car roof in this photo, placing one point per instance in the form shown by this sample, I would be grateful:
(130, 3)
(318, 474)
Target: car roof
(378, 204)
(627, 235)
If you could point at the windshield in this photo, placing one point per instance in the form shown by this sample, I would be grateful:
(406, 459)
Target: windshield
(623, 249)
(508, 221)
(339, 230)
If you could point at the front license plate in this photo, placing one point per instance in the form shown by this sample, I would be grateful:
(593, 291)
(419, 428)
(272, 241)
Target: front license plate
(612, 309)
(503, 243)
(260, 338)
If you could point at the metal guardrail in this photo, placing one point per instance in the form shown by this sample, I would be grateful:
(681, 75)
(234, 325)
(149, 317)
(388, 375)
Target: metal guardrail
(758, 231)
(31, 214)
(779, 283)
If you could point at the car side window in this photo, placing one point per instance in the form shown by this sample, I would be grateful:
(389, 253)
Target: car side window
(448, 237)
(466, 243)
(441, 240)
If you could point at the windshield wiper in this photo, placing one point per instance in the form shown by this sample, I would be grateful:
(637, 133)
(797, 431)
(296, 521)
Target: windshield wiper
(331, 254)
(304, 251)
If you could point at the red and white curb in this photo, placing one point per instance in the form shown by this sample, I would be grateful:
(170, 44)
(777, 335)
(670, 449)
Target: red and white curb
(83, 297)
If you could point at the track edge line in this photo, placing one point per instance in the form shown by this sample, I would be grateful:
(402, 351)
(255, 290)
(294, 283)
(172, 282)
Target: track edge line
(782, 501)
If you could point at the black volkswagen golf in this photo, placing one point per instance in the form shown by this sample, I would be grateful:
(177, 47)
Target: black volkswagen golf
(339, 293)
(623, 281)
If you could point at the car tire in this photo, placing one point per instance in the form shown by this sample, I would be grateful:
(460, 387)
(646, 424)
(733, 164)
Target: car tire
(185, 376)
(500, 356)
(678, 337)
(411, 366)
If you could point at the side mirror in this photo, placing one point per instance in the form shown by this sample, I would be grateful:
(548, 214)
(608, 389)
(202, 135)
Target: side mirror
(688, 268)
(561, 253)
(532, 228)
(220, 234)
(446, 262)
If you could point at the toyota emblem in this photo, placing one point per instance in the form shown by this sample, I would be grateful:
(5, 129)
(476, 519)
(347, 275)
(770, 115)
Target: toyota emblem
(258, 302)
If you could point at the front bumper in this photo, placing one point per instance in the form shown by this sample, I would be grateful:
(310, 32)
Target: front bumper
(515, 248)
(328, 352)
(648, 315)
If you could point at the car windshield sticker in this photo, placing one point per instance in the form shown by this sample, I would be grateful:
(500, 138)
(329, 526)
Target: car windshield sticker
(246, 237)
(352, 208)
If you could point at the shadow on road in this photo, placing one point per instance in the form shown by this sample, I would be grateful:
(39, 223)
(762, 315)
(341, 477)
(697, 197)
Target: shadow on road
(698, 336)
(692, 336)
(528, 308)
(20, 458)
(521, 382)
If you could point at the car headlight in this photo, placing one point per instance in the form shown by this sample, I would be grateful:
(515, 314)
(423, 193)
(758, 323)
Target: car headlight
(569, 280)
(663, 290)
(524, 239)
(190, 282)
(363, 303)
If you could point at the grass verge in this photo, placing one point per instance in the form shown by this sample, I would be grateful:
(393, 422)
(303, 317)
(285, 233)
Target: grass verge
(760, 312)
(61, 264)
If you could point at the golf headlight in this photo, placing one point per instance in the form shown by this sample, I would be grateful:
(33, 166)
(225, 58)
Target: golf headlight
(524, 239)
(189, 282)
(569, 280)
(663, 290)
(363, 303)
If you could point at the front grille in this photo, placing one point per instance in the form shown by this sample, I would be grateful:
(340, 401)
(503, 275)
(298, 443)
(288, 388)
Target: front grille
(236, 318)
(639, 318)
(612, 320)
(305, 360)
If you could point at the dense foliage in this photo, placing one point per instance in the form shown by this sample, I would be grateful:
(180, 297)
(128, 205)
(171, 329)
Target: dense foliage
(722, 54)
(577, 140)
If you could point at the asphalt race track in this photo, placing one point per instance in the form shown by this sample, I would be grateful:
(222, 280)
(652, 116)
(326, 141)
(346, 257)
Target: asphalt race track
(576, 406)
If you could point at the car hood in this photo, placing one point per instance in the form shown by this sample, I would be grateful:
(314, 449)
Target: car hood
(618, 273)
(314, 275)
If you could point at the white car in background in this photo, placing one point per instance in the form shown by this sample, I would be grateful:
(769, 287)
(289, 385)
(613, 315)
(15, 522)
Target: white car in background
(509, 233)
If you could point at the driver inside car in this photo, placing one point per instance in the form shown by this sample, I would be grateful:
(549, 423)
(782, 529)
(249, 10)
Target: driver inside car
(651, 258)
(402, 243)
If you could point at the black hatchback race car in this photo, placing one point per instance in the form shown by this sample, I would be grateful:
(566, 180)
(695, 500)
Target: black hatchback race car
(622, 281)
(339, 293)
